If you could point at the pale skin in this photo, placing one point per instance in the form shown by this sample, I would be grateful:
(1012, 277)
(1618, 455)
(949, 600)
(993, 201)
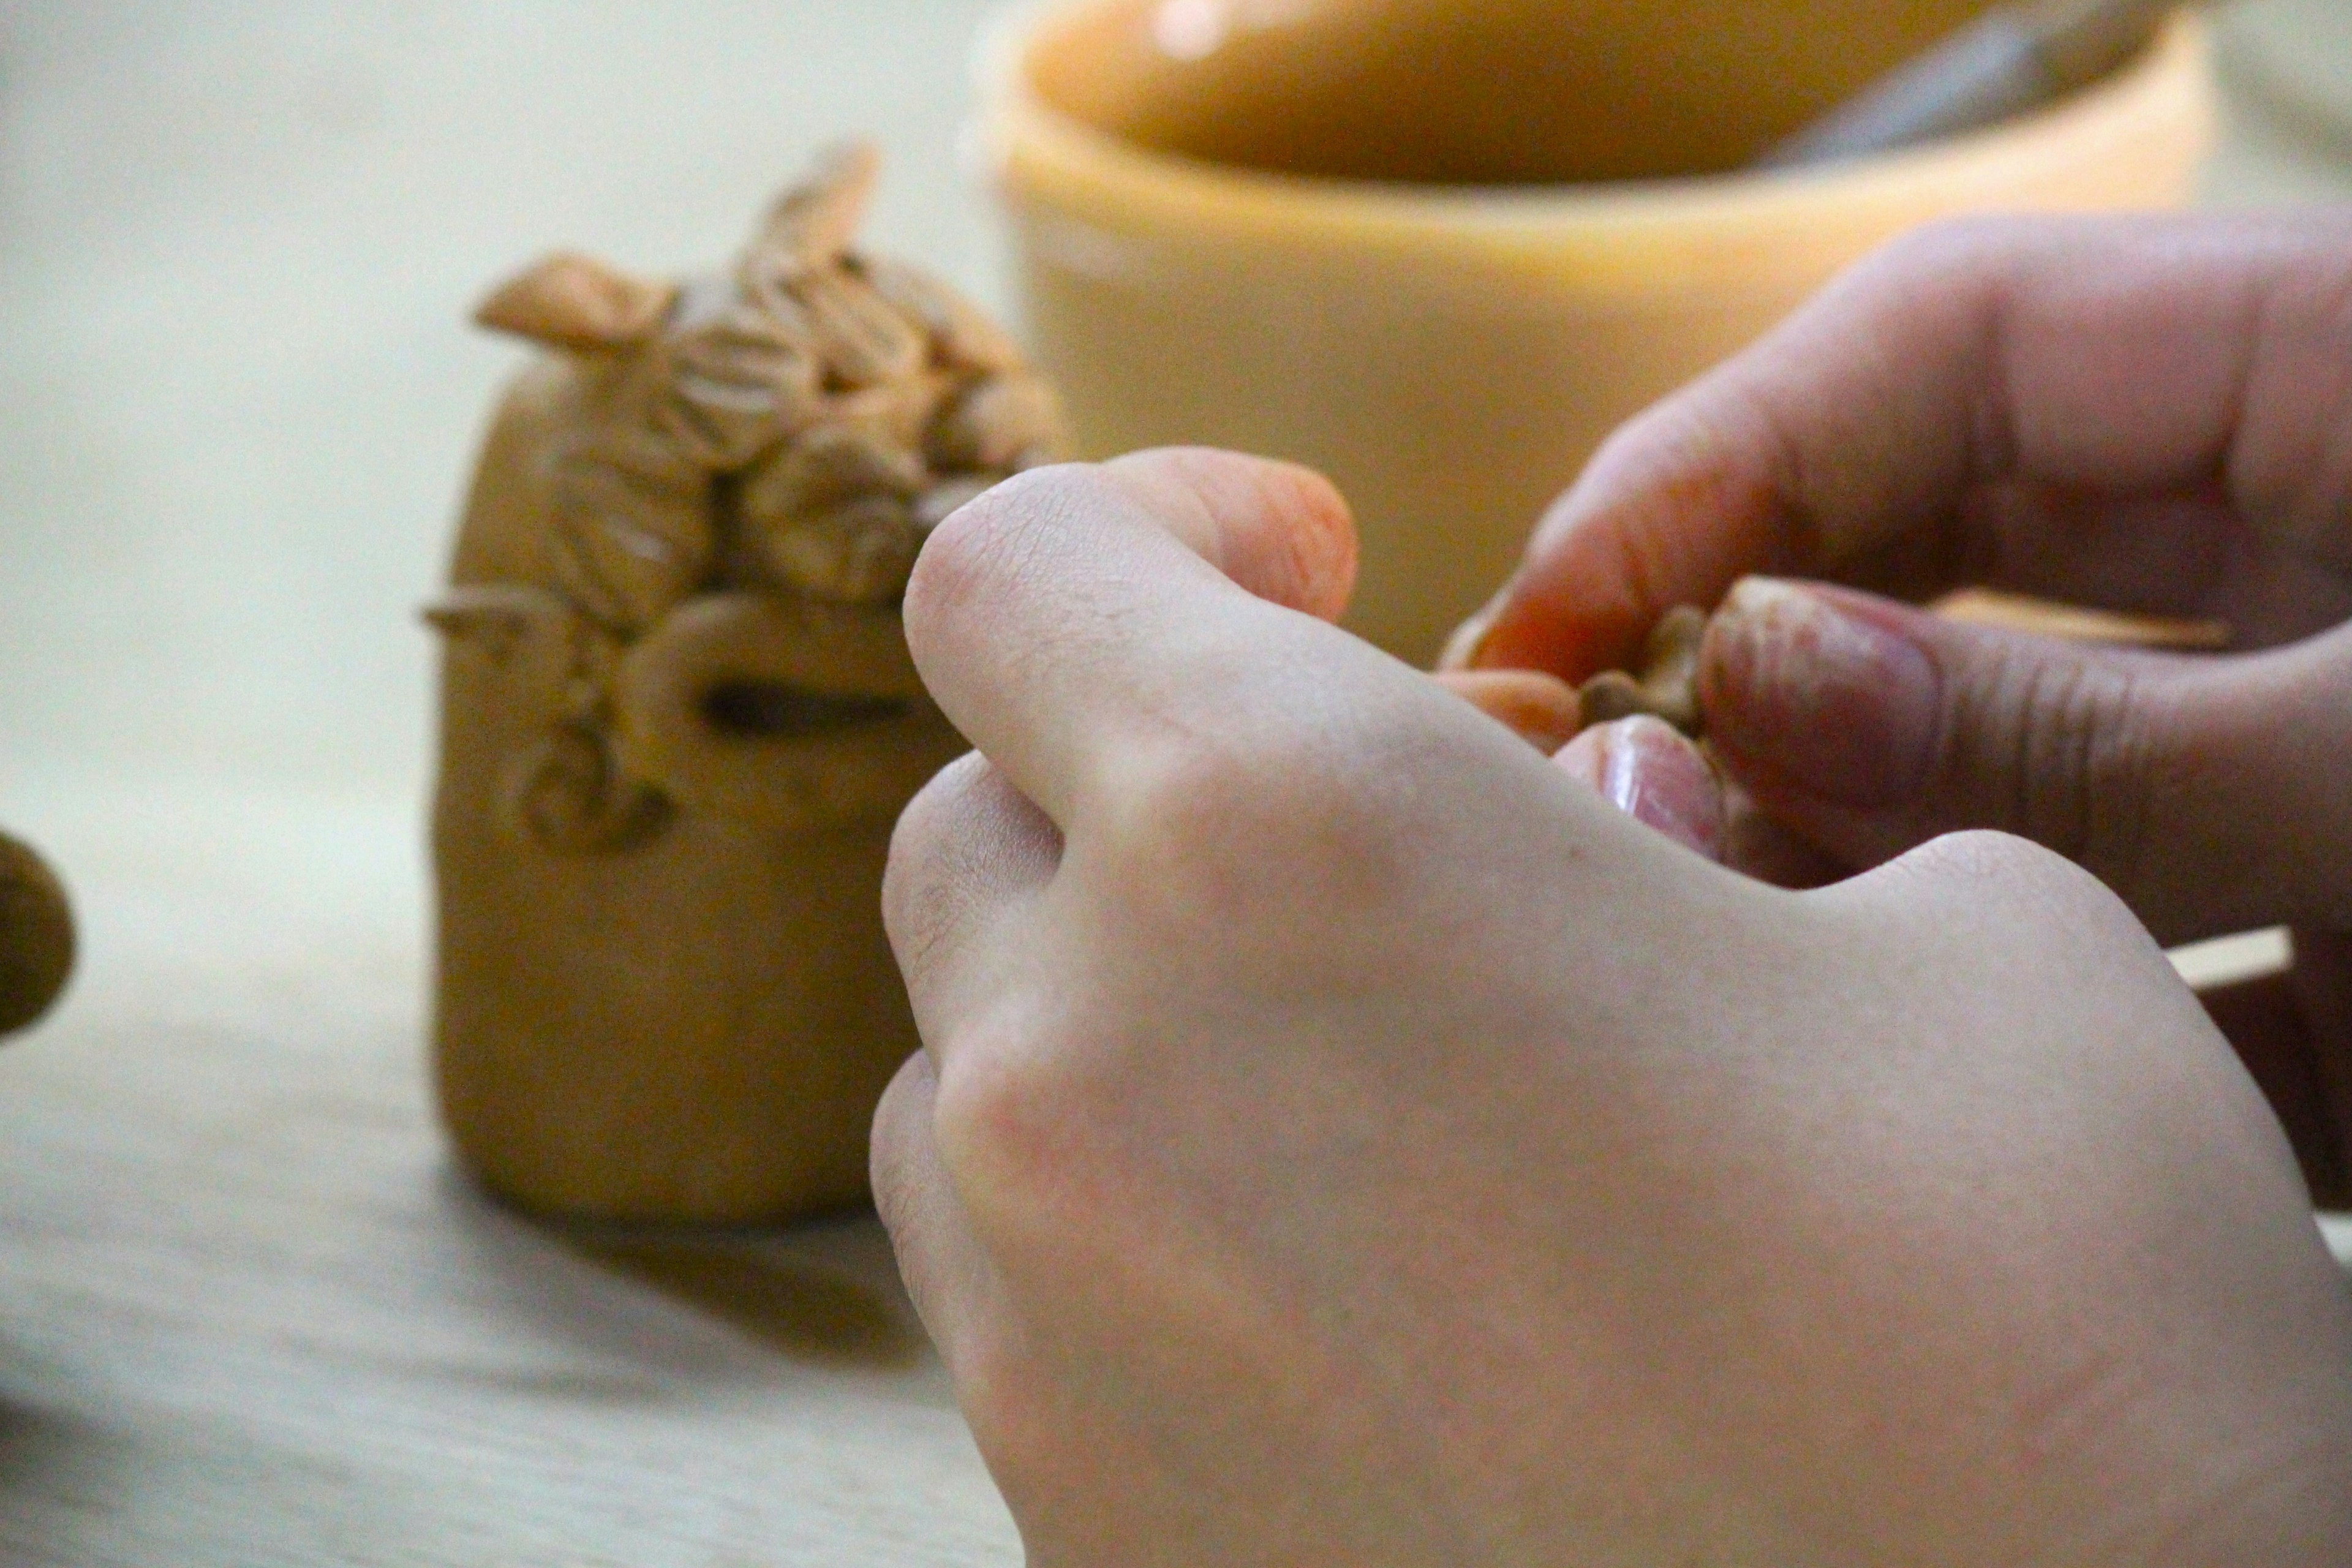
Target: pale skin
(1343, 1137)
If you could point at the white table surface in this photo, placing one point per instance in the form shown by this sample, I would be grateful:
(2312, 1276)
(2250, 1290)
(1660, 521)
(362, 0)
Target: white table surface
(248, 1317)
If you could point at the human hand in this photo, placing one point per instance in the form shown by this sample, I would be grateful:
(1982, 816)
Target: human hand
(2144, 415)
(1341, 1138)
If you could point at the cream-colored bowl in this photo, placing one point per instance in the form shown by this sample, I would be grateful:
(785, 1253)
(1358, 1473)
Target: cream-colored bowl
(1435, 247)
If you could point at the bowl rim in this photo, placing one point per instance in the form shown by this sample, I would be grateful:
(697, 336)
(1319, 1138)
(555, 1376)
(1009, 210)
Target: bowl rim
(1037, 154)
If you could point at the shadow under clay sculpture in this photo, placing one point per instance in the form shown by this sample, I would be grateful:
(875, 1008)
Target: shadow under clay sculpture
(679, 717)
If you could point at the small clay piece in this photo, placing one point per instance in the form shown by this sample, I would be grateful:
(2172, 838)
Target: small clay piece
(1548, 712)
(1667, 686)
(36, 936)
(679, 717)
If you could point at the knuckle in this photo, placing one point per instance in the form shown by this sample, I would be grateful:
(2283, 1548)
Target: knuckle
(1986, 857)
(988, 545)
(1237, 834)
(1009, 1122)
(2026, 891)
(1947, 247)
(965, 846)
(2071, 750)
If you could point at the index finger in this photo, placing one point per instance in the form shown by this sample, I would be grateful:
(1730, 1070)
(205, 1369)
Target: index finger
(1027, 607)
(2122, 358)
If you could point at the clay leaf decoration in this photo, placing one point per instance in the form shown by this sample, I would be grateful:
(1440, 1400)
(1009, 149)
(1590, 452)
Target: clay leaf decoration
(634, 524)
(736, 376)
(571, 302)
(792, 427)
(36, 936)
(810, 227)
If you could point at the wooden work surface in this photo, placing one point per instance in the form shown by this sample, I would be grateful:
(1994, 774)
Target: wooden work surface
(248, 1317)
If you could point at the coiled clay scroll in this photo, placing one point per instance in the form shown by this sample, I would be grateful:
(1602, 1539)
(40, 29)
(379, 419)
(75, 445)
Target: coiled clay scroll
(680, 715)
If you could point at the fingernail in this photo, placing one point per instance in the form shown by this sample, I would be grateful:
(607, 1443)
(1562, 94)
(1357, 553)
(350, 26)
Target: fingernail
(1836, 702)
(1654, 776)
(1646, 770)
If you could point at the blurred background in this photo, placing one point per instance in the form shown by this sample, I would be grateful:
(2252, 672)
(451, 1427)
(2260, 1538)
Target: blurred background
(238, 243)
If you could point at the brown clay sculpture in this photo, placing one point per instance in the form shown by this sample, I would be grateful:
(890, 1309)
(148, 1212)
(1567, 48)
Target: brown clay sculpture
(679, 717)
(36, 936)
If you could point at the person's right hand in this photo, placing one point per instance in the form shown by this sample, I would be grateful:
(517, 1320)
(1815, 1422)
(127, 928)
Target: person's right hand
(2144, 415)
(1338, 1139)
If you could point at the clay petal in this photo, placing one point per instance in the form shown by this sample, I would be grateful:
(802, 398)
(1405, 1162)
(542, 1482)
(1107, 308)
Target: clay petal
(827, 467)
(574, 302)
(638, 484)
(621, 576)
(997, 424)
(897, 413)
(858, 553)
(737, 385)
(862, 341)
(812, 223)
(963, 338)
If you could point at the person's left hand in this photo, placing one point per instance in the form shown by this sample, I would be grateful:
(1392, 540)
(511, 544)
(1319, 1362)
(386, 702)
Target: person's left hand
(1339, 1137)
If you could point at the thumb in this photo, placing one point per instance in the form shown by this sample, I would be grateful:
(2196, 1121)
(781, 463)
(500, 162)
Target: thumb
(2207, 792)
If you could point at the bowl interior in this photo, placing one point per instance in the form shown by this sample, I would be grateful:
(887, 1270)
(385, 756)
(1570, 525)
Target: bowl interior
(1471, 91)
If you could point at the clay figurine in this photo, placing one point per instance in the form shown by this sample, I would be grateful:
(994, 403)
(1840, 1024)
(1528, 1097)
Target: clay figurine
(36, 936)
(679, 717)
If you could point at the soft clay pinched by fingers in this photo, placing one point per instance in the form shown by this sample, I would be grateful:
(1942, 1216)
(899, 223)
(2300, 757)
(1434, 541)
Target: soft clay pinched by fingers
(1548, 712)
(1666, 686)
